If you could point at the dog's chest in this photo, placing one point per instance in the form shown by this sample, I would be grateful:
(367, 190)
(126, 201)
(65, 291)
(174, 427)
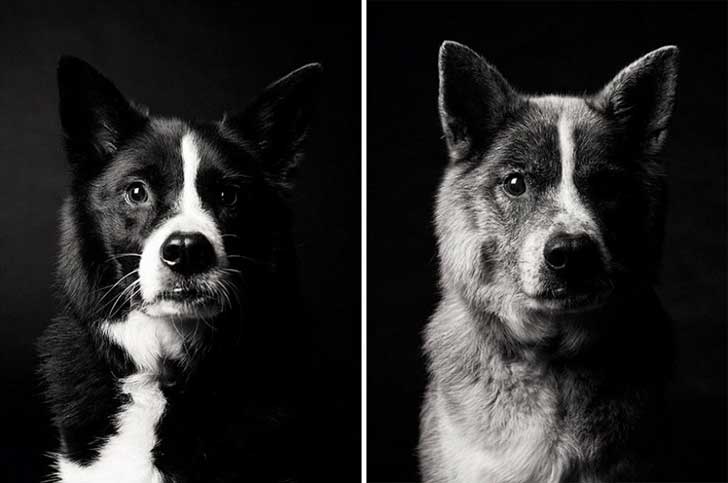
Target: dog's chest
(504, 432)
(126, 457)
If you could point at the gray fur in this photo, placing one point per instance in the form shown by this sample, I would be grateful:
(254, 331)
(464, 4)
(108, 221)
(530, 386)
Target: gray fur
(518, 394)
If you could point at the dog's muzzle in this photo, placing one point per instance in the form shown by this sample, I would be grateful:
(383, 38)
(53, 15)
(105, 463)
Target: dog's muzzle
(574, 268)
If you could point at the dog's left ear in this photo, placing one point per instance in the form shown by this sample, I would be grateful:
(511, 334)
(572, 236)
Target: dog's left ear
(641, 98)
(95, 115)
(277, 121)
(474, 99)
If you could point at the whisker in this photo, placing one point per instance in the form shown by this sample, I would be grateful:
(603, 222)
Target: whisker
(117, 283)
(122, 255)
(121, 295)
(209, 326)
(230, 288)
(134, 293)
(250, 259)
(218, 292)
(231, 270)
(224, 291)
(194, 334)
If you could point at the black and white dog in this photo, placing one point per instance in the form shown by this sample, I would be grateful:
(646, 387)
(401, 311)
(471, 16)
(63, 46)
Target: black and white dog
(178, 353)
(549, 349)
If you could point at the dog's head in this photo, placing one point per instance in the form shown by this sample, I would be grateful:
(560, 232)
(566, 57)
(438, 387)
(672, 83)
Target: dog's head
(550, 203)
(171, 217)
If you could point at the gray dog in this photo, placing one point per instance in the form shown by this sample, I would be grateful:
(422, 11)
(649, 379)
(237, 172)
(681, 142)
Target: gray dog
(549, 350)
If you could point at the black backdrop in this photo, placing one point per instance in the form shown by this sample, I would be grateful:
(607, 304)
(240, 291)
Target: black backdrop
(541, 47)
(184, 59)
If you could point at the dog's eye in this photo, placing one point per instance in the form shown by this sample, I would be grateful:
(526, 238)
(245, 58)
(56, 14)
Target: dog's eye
(515, 184)
(136, 193)
(227, 196)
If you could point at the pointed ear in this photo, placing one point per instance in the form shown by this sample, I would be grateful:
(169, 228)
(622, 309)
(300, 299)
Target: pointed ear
(641, 98)
(95, 116)
(474, 99)
(277, 121)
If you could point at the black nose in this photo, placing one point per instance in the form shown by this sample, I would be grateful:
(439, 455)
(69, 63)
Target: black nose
(188, 253)
(571, 252)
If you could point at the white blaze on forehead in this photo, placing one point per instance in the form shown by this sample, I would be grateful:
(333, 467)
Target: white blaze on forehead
(576, 214)
(190, 199)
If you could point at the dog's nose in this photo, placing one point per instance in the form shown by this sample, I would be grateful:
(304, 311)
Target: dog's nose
(575, 252)
(188, 253)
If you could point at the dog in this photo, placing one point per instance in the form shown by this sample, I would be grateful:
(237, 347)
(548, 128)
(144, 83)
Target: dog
(549, 351)
(177, 354)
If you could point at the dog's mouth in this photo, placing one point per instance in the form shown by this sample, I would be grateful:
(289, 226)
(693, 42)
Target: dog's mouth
(563, 301)
(186, 301)
(189, 295)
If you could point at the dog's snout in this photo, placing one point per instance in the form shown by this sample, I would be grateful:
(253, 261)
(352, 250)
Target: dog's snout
(573, 252)
(188, 253)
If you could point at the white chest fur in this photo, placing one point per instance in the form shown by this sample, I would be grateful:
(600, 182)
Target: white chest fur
(146, 339)
(127, 456)
(519, 455)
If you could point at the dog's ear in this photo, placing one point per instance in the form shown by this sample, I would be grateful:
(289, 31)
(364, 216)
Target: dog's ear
(474, 99)
(95, 116)
(641, 98)
(277, 121)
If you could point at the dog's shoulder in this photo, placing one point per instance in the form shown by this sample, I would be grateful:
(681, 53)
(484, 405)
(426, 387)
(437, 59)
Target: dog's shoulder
(79, 386)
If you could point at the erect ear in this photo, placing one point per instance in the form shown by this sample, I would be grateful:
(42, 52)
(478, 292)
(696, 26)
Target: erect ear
(474, 99)
(641, 98)
(95, 116)
(277, 121)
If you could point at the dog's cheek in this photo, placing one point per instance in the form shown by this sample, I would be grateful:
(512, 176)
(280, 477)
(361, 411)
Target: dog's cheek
(621, 227)
(488, 228)
(128, 227)
(507, 222)
(489, 260)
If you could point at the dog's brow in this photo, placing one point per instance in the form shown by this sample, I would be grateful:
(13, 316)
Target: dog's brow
(142, 171)
(235, 177)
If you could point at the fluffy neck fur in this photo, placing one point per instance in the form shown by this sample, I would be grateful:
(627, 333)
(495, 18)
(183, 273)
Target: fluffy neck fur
(633, 319)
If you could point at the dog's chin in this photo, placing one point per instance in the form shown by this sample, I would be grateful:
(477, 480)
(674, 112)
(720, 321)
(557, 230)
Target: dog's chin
(183, 305)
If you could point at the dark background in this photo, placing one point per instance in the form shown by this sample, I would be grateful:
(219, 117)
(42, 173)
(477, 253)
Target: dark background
(541, 48)
(193, 61)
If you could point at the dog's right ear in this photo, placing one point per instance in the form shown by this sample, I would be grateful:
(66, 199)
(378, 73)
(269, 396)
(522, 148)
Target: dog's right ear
(641, 98)
(474, 98)
(277, 121)
(95, 116)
